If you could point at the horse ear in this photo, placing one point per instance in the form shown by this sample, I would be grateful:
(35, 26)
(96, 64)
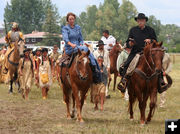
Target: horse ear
(88, 52)
(154, 43)
(160, 44)
(79, 52)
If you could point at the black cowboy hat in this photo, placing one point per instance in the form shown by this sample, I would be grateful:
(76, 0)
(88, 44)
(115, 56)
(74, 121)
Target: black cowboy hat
(100, 42)
(27, 50)
(141, 16)
(44, 50)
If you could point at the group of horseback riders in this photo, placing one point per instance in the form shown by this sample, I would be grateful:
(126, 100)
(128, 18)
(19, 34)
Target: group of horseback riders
(78, 61)
(137, 39)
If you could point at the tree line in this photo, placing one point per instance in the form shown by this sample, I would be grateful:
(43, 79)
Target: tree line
(42, 15)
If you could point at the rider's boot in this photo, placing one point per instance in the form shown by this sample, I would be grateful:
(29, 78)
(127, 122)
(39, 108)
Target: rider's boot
(122, 85)
(163, 86)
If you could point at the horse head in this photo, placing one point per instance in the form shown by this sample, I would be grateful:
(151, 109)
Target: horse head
(154, 54)
(82, 64)
(117, 48)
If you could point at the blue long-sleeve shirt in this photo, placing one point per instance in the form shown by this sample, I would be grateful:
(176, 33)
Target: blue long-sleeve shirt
(73, 35)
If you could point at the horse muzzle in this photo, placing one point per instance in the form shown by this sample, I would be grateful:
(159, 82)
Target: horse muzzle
(83, 77)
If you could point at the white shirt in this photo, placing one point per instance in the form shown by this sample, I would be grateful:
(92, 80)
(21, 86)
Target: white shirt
(107, 41)
(105, 55)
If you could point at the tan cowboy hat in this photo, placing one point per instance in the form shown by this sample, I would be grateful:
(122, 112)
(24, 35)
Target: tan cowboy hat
(14, 25)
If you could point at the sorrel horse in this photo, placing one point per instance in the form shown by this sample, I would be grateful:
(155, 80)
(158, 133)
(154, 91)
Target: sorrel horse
(144, 81)
(13, 62)
(113, 55)
(76, 81)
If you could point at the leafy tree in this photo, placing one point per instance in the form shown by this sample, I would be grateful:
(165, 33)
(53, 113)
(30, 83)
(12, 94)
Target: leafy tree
(51, 25)
(28, 13)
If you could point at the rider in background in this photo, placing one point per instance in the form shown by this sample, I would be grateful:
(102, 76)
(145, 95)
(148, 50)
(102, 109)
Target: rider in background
(138, 37)
(12, 36)
(120, 62)
(73, 41)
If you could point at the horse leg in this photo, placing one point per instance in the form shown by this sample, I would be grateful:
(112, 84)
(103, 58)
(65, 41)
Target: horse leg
(115, 77)
(11, 87)
(67, 101)
(47, 89)
(22, 92)
(19, 90)
(83, 96)
(131, 103)
(142, 98)
(153, 100)
(78, 105)
(26, 93)
(141, 103)
(73, 110)
(109, 82)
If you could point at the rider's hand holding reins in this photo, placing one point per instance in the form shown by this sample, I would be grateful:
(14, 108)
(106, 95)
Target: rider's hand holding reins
(147, 40)
(71, 44)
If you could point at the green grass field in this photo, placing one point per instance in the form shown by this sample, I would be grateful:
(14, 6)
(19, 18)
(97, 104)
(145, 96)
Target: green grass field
(37, 116)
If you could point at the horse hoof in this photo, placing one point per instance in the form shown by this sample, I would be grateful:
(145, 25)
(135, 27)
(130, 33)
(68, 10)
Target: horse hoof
(131, 119)
(44, 98)
(10, 92)
(142, 123)
(81, 121)
(69, 118)
(72, 116)
(148, 120)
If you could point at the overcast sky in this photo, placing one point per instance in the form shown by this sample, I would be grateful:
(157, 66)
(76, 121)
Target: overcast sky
(165, 10)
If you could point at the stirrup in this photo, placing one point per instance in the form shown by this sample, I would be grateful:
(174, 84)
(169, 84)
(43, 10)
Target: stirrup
(122, 87)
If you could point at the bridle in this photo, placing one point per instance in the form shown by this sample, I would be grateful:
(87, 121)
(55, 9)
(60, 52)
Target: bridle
(152, 61)
(78, 72)
(155, 72)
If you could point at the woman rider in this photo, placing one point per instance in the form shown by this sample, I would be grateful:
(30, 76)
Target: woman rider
(73, 41)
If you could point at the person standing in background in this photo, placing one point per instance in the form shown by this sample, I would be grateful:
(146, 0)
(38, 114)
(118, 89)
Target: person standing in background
(25, 71)
(167, 67)
(108, 40)
(106, 61)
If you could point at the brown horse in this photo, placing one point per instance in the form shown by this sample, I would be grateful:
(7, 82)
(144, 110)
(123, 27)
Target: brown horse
(77, 79)
(13, 62)
(113, 55)
(144, 81)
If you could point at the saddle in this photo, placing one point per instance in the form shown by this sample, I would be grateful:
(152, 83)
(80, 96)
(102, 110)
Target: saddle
(132, 65)
(66, 61)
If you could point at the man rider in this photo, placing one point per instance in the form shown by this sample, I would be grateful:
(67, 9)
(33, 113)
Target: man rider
(138, 37)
